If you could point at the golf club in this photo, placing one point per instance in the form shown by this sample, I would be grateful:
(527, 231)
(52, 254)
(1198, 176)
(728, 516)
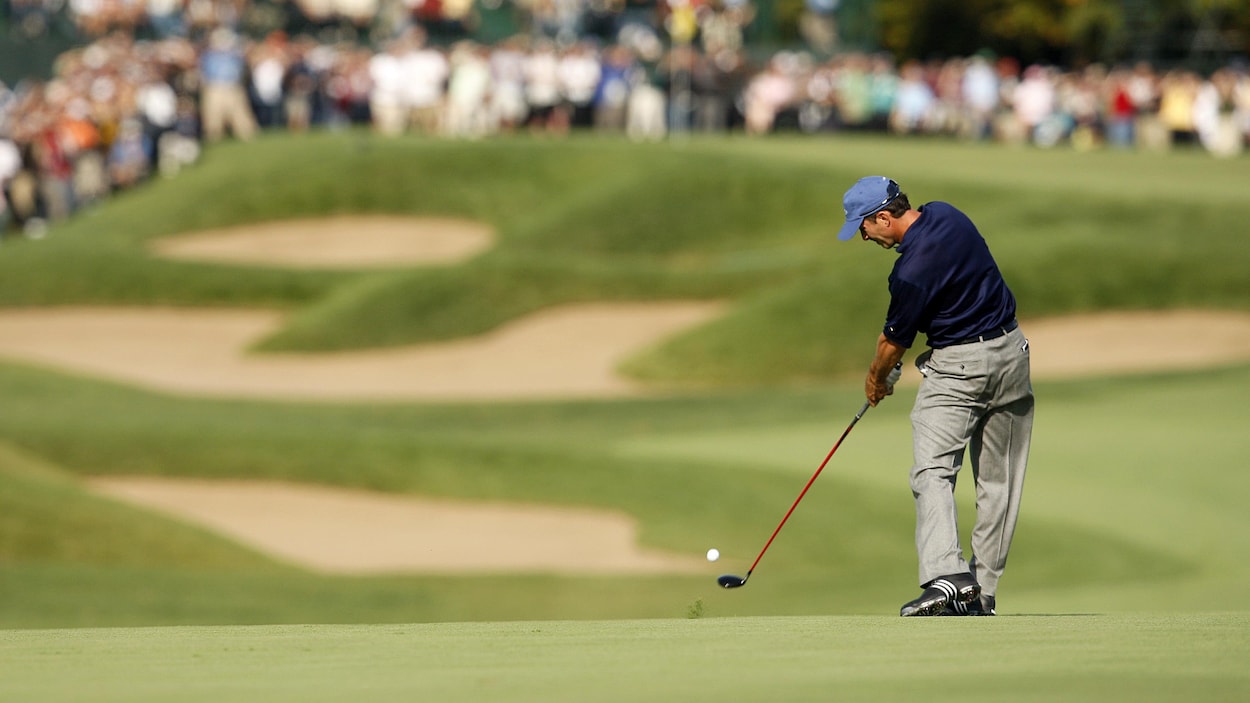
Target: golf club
(731, 581)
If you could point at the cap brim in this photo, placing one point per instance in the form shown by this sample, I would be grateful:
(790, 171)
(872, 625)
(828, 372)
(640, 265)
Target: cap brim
(848, 230)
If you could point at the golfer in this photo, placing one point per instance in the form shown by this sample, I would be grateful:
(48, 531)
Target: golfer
(975, 399)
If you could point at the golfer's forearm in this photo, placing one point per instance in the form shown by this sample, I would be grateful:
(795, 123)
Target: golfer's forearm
(888, 355)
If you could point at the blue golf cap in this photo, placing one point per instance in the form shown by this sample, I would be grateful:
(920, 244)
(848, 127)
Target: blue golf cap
(867, 197)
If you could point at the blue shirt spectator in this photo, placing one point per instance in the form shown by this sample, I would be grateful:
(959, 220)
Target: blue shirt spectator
(222, 63)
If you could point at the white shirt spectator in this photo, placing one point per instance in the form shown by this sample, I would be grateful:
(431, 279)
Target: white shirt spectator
(158, 103)
(267, 77)
(386, 95)
(467, 91)
(10, 160)
(542, 77)
(1034, 98)
(507, 68)
(10, 164)
(386, 72)
(914, 103)
(766, 94)
(980, 86)
(425, 70)
(579, 72)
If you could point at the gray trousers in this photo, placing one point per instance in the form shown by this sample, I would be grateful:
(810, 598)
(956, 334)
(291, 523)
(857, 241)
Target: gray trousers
(975, 399)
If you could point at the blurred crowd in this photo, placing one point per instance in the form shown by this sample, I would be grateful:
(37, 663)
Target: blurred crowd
(124, 109)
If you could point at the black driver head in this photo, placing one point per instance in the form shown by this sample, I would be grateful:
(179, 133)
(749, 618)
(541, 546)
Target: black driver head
(731, 581)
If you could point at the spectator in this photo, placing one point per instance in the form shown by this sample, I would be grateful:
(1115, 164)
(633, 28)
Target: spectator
(542, 89)
(507, 71)
(980, 96)
(128, 156)
(1121, 111)
(714, 88)
(612, 92)
(678, 71)
(947, 78)
(299, 86)
(854, 92)
(425, 70)
(883, 84)
(268, 70)
(766, 95)
(821, 97)
(1241, 102)
(80, 140)
(468, 91)
(645, 113)
(180, 146)
(722, 26)
(10, 166)
(913, 109)
(818, 26)
(386, 99)
(579, 72)
(157, 106)
(1215, 114)
(1082, 106)
(1144, 87)
(223, 101)
(1177, 92)
(166, 18)
(1033, 101)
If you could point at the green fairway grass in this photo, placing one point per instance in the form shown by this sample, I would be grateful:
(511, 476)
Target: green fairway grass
(1073, 658)
(1133, 512)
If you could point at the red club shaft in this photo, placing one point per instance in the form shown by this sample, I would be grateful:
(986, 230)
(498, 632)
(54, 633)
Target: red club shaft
(810, 481)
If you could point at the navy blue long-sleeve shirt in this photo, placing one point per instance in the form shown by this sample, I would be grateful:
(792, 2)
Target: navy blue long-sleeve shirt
(945, 282)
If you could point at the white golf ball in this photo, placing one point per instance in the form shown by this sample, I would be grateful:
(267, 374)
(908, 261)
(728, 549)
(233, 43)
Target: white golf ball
(713, 554)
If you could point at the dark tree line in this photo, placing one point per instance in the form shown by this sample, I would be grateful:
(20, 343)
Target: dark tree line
(1200, 34)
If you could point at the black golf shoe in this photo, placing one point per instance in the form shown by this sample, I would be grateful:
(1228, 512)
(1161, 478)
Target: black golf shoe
(960, 589)
(980, 606)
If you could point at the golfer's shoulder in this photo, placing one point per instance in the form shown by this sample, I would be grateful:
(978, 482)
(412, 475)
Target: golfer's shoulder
(945, 222)
(941, 210)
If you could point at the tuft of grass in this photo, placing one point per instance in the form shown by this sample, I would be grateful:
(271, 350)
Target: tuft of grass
(695, 610)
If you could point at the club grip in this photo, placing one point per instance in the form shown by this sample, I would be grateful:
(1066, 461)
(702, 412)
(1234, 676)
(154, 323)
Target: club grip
(895, 374)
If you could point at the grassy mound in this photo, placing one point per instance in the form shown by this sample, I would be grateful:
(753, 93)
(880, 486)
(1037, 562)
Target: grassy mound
(602, 219)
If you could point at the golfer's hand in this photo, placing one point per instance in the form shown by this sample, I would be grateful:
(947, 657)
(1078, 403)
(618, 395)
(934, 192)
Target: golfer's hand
(875, 390)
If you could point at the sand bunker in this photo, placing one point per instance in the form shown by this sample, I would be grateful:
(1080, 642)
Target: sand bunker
(1135, 342)
(565, 352)
(346, 242)
(342, 531)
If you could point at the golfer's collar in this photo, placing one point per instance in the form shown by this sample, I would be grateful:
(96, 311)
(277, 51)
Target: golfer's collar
(898, 248)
